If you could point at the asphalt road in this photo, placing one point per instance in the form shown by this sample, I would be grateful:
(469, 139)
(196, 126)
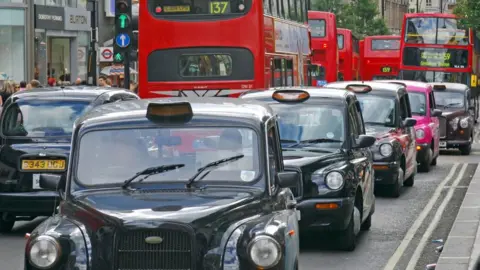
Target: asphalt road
(400, 238)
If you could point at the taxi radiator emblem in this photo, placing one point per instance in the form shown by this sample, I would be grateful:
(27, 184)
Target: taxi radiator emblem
(153, 240)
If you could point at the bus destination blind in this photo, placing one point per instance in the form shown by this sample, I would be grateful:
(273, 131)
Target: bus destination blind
(435, 57)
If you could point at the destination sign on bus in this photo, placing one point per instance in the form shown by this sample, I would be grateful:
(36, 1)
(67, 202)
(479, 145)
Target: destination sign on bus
(219, 7)
(386, 69)
(172, 9)
(435, 57)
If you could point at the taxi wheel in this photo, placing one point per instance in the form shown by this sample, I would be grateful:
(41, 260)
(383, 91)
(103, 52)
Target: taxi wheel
(434, 162)
(6, 225)
(396, 188)
(367, 223)
(465, 150)
(348, 238)
(425, 166)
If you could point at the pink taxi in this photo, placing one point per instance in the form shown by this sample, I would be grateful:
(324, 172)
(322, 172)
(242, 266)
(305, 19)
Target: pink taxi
(422, 104)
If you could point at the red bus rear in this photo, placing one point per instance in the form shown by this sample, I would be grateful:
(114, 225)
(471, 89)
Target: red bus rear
(323, 27)
(221, 48)
(381, 58)
(434, 48)
(349, 51)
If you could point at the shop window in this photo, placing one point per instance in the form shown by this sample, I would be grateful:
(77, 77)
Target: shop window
(12, 44)
(83, 40)
(58, 65)
(40, 68)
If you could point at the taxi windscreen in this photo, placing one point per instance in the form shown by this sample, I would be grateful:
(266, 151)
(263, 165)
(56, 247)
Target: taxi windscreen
(377, 110)
(310, 125)
(109, 157)
(449, 99)
(42, 118)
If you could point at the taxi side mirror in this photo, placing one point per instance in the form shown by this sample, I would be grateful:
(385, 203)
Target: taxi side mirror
(409, 122)
(364, 141)
(52, 182)
(436, 113)
(288, 179)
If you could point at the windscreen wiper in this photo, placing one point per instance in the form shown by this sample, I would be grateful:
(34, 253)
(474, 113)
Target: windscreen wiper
(210, 166)
(151, 171)
(312, 141)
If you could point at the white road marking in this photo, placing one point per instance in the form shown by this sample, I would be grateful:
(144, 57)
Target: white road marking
(433, 224)
(392, 262)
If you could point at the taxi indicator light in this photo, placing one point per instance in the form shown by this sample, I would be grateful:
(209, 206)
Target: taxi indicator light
(180, 112)
(290, 96)
(439, 87)
(359, 88)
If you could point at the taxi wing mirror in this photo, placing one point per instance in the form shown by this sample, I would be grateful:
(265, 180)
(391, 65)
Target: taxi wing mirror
(52, 181)
(288, 179)
(436, 113)
(409, 122)
(364, 141)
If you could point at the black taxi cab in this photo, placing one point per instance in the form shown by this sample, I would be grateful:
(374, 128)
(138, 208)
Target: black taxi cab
(36, 130)
(323, 137)
(457, 120)
(212, 194)
(387, 115)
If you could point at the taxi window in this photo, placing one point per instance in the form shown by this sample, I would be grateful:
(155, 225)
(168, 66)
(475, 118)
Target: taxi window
(377, 110)
(112, 156)
(42, 118)
(418, 103)
(449, 99)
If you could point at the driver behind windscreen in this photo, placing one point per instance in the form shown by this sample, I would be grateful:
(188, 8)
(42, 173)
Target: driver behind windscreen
(231, 144)
(331, 125)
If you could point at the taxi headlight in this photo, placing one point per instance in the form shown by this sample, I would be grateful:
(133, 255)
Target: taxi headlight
(44, 252)
(334, 180)
(464, 123)
(264, 251)
(420, 133)
(386, 149)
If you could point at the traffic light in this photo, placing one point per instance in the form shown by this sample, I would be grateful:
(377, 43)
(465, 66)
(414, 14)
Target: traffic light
(123, 30)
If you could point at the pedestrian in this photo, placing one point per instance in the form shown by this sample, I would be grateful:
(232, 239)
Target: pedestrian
(29, 87)
(23, 85)
(35, 84)
(7, 90)
(52, 82)
(78, 81)
(109, 82)
(102, 81)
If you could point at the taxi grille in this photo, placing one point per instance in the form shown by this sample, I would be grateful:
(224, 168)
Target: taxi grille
(175, 252)
(443, 126)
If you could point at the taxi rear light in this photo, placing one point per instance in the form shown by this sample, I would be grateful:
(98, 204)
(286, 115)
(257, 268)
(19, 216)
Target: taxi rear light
(439, 87)
(290, 95)
(359, 88)
(326, 206)
(170, 112)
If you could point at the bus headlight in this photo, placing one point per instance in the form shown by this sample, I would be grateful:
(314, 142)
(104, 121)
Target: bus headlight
(464, 123)
(44, 252)
(264, 251)
(420, 133)
(386, 149)
(334, 180)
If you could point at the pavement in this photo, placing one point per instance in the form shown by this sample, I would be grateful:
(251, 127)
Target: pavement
(441, 205)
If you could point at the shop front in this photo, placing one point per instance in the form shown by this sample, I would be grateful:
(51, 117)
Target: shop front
(61, 43)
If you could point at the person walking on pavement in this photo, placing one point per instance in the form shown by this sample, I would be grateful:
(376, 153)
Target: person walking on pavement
(23, 85)
(102, 81)
(78, 81)
(35, 84)
(7, 90)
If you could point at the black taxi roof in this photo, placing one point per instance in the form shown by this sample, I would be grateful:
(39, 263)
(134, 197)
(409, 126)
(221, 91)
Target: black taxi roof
(59, 92)
(231, 108)
(451, 86)
(315, 92)
(383, 88)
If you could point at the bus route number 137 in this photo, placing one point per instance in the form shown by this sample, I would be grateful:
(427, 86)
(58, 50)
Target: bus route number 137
(219, 7)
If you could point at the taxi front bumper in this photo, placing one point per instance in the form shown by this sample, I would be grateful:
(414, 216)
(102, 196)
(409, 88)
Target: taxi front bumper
(386, 173)
(35, 203)
(332, 214)
(422, 152)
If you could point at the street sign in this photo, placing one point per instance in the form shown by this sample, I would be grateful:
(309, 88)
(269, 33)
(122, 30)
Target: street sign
(122, 40)
(107, 53)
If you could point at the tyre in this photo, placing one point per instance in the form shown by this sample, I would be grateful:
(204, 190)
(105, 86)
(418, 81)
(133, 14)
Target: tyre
(6, 225)
(367, 223)
(397, 186)
(434, 161)
(348, 238)
(425, 165)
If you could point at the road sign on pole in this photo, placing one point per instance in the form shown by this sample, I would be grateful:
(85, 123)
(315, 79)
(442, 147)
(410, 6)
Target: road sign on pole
(122, 40)
(123, 37)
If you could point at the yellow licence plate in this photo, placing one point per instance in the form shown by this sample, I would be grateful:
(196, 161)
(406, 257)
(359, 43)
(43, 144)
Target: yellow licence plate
(40, 164)
(176, 9)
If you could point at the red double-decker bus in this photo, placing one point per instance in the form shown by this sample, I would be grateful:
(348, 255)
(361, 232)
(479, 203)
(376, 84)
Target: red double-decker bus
(434, 48)
(221, 47)
(381, 57)
(349, 55)
(323, 27)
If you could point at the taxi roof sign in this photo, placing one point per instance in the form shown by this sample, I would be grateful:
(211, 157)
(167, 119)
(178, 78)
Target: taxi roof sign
(290, 95)
(439, 87)
(359, 88)
(170, 112)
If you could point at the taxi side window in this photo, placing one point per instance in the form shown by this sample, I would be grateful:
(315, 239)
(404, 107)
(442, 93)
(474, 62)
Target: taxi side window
(358, 115)
(431, 100)
(273, 153)
(353, 120)
(469, 98)
(403, 107)
(12, 121)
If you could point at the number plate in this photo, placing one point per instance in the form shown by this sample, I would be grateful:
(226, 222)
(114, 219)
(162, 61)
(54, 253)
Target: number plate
(36, 181)
(43, 164)
(443, 144)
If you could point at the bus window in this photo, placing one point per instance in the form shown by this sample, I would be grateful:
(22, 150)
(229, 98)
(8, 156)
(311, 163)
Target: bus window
(207, 65)
(284, 72)
(277, 72)
(385, 44)
(340, 41)
(289, 72)
(340, 77)
(317, 27)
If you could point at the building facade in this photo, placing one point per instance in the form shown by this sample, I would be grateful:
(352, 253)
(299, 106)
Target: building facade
(393, 11)
(431, 6)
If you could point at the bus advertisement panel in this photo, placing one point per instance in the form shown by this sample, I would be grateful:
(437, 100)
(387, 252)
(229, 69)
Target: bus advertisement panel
(349, 52)
(323, 26)
(221, 48)
(434, 48)
(381, 57)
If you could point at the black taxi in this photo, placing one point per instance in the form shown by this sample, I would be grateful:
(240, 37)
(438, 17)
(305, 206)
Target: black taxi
(323, 137)
(36, 130)
(211, 194)
(457, 120)
(387, 115)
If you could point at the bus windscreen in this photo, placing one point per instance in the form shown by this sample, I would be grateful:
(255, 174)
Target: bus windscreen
(199, 7)
(430, 30)
(317, 28)
(385, 44)
(435, 57)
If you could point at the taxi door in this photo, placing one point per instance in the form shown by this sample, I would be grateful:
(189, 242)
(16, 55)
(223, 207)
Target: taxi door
(408, 137)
